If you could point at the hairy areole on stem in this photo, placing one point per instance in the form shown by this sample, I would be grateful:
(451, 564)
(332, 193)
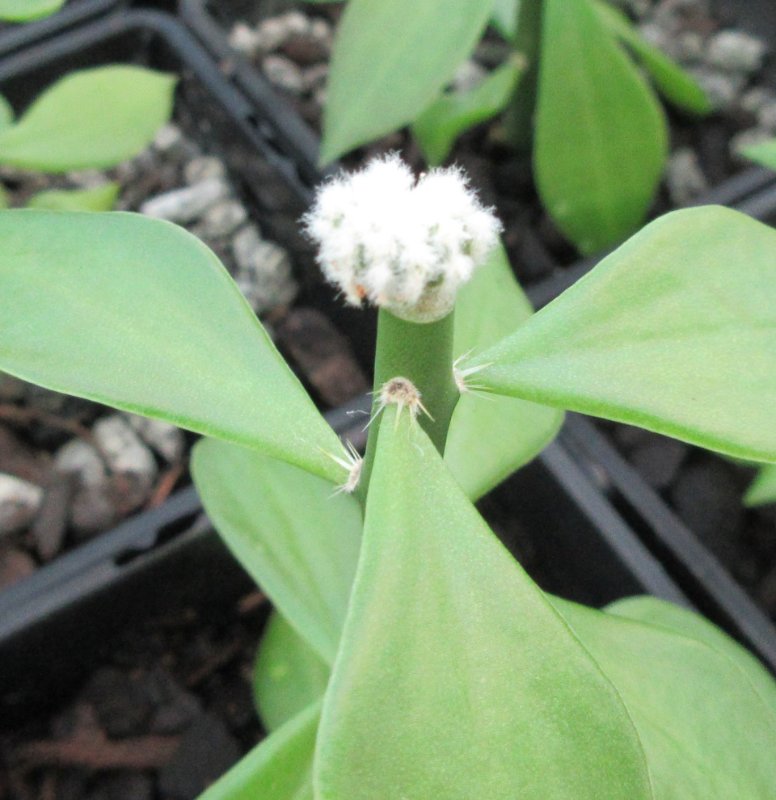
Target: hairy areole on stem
(401, 244)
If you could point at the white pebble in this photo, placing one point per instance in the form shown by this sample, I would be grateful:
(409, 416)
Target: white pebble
(684, 176)
(187, 204)
(203, 168)
(245, 40)
(165, 438)
(19, 502)
(264, 274)
(735, 51)
(80, 458)
(284, 73)
(122, 447)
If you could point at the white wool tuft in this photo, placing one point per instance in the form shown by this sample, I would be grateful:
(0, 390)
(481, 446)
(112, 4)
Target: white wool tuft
(402, 245)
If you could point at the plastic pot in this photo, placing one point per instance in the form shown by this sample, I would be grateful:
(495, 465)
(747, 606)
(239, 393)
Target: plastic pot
(16, 36)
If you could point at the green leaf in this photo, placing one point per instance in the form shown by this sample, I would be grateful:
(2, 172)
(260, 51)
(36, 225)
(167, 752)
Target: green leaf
(279, 768)
(93, 118)
(6, 113)
(98, 198)
(138, 314)
(504, 17)
(391, 59)
(437, 128)
(656, 612)
(491, 436)
(288, 675)
(302, 554)
(600, 141)
(23, 10)
(674, 332)
(4, 199)
(763, 488)
(706, 729)
(671, 80)
(763, 153)
(455, 677)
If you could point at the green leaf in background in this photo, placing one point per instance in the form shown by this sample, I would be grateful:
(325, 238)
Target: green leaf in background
(4, 199)
(659, 613)
(138, 314)
(455, 677)
(437, 128)
(492, 436)
(391, 59)
(6, 113)
(504, 17)
(600, 139)
(674, 332)
(279, 768)
(288, 675)
(99, 198)
(763, 488)
(707, 729)
(93, 118)
(301, 553)
(763, 153)
(23, 10)
(677, 86)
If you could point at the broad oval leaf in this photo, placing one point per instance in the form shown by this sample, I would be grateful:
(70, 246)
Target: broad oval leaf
(295, 538)
(660, 613)
(670, 79)
(279, 768)
(763, 153)
(288, 675)
(391, 59)
(23, 10)
(455, 678)
(504, 17)
(489, 436)
(763, 488)
(707, 729)
(92, 118)
(6, 113)
(138, 314)
(674, 332)
(600, 140)
(98, 198)
(437, 128)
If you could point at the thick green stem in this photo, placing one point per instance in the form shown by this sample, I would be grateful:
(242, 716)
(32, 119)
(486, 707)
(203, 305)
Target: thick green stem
(422, 353)
(520, 112)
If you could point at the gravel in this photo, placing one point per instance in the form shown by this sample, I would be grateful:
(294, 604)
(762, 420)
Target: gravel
(19, 503)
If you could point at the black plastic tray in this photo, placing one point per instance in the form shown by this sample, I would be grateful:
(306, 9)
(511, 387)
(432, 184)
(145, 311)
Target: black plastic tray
(206, 20)
(16, 36)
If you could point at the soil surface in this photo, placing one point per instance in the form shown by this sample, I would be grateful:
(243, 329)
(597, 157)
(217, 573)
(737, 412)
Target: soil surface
(167, 709)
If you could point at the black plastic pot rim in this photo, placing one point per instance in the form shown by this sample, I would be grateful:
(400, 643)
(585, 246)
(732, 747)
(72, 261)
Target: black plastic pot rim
(20, 35)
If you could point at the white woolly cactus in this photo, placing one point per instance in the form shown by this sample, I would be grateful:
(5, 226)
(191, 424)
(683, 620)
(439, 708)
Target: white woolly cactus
(403, 245)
